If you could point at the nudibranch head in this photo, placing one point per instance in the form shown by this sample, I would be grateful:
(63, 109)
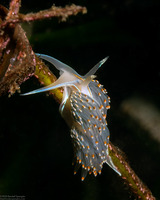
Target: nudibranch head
(84, 107)
(69, 79)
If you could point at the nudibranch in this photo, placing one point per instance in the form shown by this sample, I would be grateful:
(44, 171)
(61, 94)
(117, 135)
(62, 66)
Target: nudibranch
(84, 108)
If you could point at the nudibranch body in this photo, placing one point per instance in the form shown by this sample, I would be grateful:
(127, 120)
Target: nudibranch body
(84, 107)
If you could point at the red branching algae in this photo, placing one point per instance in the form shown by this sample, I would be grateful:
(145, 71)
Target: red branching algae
(17, 60)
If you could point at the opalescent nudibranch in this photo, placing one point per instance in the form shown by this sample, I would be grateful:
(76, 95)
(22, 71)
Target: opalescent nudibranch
(84, 108)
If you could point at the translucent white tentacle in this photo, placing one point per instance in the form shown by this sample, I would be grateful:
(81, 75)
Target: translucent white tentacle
(96, 67)
(58, 64)
(66, 79)
(51, 87)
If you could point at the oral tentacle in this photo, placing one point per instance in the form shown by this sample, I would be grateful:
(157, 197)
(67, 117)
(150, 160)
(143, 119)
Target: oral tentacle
(58, 64)
(96, 67)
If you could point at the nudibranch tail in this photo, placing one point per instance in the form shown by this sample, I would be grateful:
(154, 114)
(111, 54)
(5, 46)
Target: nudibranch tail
(84, 107)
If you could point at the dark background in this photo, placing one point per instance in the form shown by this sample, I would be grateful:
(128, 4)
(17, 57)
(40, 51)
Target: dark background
(35, 147)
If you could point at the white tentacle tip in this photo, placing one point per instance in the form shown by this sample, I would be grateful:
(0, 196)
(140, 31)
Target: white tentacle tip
(104, 60)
